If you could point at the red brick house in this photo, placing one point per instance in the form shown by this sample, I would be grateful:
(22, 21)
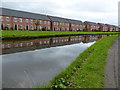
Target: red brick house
(20, 20)
(103, 27)
(91, 26)
(111, 28)
(116, 28)
(76, 25)
(59, 24)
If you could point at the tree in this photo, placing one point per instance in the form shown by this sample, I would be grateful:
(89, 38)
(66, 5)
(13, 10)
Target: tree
(37, 23)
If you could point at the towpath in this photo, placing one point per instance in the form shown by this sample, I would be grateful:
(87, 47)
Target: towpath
(112, 69)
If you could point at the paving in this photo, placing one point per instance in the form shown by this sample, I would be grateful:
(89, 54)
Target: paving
(112, 69)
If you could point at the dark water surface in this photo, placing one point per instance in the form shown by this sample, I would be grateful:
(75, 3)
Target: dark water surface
(37, 61)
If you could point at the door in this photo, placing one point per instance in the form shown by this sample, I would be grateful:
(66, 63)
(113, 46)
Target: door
(2, 28)
(60, 29)
(27, 27)
(15, 27)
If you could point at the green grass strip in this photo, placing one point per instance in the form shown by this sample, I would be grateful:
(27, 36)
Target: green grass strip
(87, 70)
(44, 33)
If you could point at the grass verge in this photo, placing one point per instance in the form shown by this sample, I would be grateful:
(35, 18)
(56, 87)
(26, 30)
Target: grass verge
(44, 33)
(87, 70)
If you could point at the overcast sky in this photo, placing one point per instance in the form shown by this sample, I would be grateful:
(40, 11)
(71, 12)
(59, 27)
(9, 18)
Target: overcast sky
(104, 11)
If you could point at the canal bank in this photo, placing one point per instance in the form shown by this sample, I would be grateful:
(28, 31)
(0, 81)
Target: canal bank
(9, 35)
(87, 70)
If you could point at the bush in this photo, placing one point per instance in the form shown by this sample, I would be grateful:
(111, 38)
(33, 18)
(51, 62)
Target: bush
(43, 29)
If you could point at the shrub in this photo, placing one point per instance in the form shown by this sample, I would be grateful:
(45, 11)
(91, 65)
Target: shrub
(43, 29)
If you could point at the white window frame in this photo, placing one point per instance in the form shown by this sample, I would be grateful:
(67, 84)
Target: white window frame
(31, 21)
(20, 19)
(26, 20)
(45, 22)
(1, 18)
(15, 19)
(40, 21)
(7, 18)
(48, 22)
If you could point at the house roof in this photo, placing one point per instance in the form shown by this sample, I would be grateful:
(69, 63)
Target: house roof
(115, 26)
(23, 14)
(74, 21)
(92, 23)
(103, 24)
(110, 25)
(57, 19)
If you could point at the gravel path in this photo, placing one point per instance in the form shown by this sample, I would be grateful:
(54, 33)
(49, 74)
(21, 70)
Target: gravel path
(113, 66)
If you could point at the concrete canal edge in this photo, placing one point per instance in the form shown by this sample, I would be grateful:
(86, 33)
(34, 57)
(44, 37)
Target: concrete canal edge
(112, 68)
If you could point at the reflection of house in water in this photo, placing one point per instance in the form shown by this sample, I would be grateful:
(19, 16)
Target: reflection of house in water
(19, 46)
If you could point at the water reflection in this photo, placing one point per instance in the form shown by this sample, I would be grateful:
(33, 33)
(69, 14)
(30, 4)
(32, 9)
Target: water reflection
(27, 45)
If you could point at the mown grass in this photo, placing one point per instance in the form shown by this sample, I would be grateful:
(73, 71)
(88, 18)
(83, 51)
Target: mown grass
(87, 70)
(41, 33)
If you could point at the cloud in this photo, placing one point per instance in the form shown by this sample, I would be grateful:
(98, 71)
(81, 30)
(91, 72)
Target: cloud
(92, 10)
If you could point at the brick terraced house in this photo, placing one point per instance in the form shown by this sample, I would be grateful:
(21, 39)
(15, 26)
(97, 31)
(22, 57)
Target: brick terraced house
(103, 27)
(91, 26)
(76, 25)
(111, 28)
(59, 24)
(116, 28)
(21, 20)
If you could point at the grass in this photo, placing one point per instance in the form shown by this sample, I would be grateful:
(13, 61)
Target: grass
(87, 70)
(42, 33)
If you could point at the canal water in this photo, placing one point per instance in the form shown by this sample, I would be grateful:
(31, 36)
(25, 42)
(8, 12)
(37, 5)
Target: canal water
(28, 63)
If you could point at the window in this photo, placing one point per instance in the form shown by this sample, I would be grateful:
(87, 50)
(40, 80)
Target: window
(31, 21)
(3, 46)
(8, 25)
(40, 42)
(21, 44)
(15, 19)
(26, 20)
(20, 19)
(40, 21)
(31, 26)
(48, 27)
(57, 23)
(40, 27)
(20, 26)
(7, 19)
(8, 45)
(45, 42)
(48, 22)
(48, 42)
(54, 23)
(1, 18)
(45, 22)
(68, 24)
(31, 43)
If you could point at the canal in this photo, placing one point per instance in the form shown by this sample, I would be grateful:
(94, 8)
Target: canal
(27, 63)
